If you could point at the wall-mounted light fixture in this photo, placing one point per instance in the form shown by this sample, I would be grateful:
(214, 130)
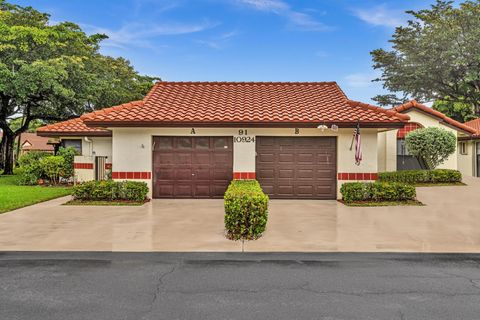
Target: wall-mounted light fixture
(322, 127)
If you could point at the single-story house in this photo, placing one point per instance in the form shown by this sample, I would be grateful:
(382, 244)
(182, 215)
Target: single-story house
(393, 155)
(33, 142)
(190, 139)
(469, 150)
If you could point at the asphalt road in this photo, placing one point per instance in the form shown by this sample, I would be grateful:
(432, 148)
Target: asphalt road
(238, 286)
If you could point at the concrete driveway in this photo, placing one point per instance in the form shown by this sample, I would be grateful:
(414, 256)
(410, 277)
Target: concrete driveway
(450, 222)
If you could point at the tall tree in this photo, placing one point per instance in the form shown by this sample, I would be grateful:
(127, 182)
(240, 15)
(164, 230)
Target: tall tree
(54, 72)
(436, 56)
(456, 110)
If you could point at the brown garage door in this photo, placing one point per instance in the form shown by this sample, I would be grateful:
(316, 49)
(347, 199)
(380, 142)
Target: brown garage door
(297, 167)
(192, 167)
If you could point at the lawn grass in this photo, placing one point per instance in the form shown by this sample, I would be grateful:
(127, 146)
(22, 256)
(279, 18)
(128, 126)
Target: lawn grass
(13, 196)
(382, 203)
(103, 203)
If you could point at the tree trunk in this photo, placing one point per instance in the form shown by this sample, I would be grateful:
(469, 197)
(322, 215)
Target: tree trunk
(8, 150)
(2, 159)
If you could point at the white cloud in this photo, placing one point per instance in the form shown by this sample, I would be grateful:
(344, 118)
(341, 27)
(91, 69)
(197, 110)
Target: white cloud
(297, 19)
(380, 15)
(219, 41)
(140, 35)
(360, 80)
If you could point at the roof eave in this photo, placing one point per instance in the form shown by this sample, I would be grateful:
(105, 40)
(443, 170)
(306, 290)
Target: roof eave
(74, 133)
(353, 124)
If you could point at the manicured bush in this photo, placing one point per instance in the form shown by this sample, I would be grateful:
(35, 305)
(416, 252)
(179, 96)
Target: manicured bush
(30, 170)
(433, 145)
(53, 167)
(377, 191)
(422, 176)
(111, 190)
(246, 210)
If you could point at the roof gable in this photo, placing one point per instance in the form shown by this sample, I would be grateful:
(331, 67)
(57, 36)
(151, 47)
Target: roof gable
(414, 105)
(475, 124)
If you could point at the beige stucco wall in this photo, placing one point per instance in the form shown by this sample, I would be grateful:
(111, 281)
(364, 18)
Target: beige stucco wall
(132, 147)
(99, 146)
(466, 162)
(387, 151)
(95, 146)
(388, 162)
(82, 175)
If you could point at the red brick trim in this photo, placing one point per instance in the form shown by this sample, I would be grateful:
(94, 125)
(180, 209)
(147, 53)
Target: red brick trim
(407, 128)
(244, 175)
(88, 166)
(108, 166)
(131, 175)
(357, 176)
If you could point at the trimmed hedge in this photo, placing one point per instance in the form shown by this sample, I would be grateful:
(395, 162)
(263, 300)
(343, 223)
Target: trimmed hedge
(246, 210)
(377, 191)
(422, 176)
(111, 190)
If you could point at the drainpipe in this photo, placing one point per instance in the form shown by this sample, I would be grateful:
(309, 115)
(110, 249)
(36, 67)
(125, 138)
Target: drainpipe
(90, 149)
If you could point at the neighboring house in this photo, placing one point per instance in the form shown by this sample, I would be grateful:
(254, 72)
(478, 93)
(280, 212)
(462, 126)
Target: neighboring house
(469, 149)
(33, 142)
(392, 154)
(190, 139)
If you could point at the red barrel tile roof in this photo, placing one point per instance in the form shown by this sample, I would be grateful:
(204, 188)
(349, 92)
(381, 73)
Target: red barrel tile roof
(475, 124)
(71, 128)
(415, 105)
(264, 103)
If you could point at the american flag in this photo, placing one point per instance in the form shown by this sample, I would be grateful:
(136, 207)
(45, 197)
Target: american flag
(358, 145)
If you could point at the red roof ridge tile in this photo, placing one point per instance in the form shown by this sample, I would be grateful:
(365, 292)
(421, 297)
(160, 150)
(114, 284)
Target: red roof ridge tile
(415, 104)
(390, 113)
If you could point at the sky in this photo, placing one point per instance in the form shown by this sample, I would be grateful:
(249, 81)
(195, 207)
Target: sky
(243, 40)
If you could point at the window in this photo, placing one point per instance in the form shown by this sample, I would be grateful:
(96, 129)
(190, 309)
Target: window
(74, 143)
(463, 148)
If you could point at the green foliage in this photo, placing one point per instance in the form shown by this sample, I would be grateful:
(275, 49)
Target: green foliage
(433, 145)
(436, 55)
(459, 111)
(16, 124)
(30, 170)
(377, 191)
(246, 210)
(68, 155)
(111, 190)
(34, 166)
(54, 71)
(53, 166)
(422, 176)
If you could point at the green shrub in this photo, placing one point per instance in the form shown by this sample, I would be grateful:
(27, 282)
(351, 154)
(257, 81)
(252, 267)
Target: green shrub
(53, 166)
(377, 191)
(111, 190)
(246, 210)
(30, 170)
(422, 176)
(69, 155)
(433, 145)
